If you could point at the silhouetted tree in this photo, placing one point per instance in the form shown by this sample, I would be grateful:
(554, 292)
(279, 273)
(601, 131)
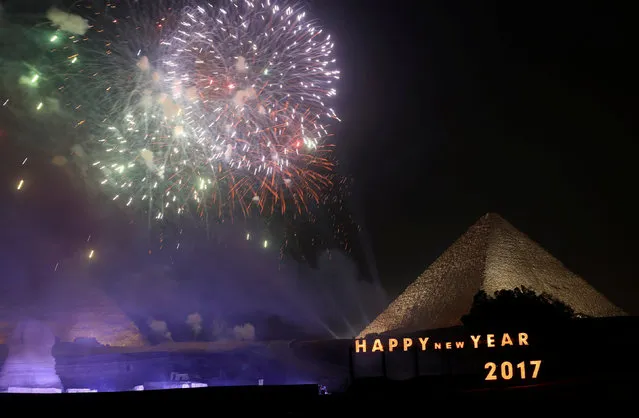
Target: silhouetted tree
(517, 307)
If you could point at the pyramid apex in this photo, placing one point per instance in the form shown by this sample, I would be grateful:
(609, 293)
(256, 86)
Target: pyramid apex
(491, 255)
(492, 216)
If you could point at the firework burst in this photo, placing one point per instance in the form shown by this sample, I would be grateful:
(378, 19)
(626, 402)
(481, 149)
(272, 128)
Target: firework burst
(198, 109)
(135, 142)
(253, 80)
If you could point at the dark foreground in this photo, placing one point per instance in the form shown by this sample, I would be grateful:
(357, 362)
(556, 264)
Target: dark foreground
(305, 400)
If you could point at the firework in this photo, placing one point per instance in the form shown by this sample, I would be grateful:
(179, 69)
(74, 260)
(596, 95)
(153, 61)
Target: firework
(254, 79)
(77, 67)
(228, 112)
(131, 137)
(180, 126)
(125, 122)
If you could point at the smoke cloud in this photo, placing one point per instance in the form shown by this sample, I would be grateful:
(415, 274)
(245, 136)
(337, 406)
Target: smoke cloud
(244, 332)
(194, 321)
(67, 22)
(219, 329)
(160, 329)
(208, 290)
(238, 282)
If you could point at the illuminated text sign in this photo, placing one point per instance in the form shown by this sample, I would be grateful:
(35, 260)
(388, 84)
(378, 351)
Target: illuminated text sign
(424, 343)
(506, 370)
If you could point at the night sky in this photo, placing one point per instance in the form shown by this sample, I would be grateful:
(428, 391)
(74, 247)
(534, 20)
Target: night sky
(454, 109)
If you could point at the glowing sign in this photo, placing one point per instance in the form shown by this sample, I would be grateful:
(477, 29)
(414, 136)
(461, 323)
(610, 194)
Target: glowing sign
(507, 371)
(504, 371)
(425, 343)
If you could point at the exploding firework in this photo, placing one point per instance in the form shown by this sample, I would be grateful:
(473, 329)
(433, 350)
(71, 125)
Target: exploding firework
(217, 117)
(135, 142)
(207, 108)
(253, 79)
(131, 139)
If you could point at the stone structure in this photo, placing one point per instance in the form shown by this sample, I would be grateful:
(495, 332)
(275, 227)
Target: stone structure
(492, 255)
(78, 310)
(87, 312)
(30, 363)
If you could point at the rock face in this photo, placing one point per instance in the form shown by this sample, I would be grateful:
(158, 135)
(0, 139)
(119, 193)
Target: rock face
(492, 255)
(30, 363)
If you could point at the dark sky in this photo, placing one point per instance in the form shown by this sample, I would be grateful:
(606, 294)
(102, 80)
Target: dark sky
(453, 109)
(458, 108)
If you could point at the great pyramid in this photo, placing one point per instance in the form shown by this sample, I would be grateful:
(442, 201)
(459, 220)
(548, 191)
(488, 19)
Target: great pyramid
(492, 255)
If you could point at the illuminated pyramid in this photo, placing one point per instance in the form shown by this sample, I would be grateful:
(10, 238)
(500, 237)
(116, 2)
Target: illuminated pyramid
(87, 312)
(79, 311)
(492, 255)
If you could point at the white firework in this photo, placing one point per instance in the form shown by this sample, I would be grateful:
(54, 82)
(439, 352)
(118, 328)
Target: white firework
(255, 79)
